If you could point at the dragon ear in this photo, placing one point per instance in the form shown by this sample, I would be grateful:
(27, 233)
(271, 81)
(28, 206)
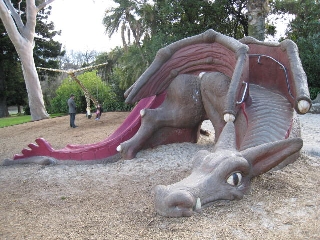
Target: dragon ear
(266, 156)
(227, 138)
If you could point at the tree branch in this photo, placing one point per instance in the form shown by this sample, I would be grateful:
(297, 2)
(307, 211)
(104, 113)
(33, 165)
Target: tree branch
(31, 16)
(44, 4)
(16, 17)
(9, 23)
(19, 4)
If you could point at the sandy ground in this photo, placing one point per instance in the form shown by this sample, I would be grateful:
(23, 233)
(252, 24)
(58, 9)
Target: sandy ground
(115, 201)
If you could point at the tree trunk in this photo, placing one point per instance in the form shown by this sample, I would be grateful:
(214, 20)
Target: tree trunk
(3, 101)
(3, 108)
(35, 97)
(22, 36)
(124, 43)
(257, 13)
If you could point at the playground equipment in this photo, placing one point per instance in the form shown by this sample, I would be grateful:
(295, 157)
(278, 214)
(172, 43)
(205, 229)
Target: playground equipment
(249, 90)
(72, 74)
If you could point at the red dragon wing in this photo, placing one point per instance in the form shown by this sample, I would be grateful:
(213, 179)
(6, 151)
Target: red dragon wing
(275, 65)
(206, 52)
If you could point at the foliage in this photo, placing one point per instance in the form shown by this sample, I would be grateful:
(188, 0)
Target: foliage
(104, 71)
(180, 19)
(46, 50)
(166, 21)
(112, 58)
(314, 91)
(78, 59)
(174, 20)
(304, 29)
(117, 107)
(12, 86)
(131, 17)
(306, 21)
(26, 110)
(130, 67)
(100, 90)
(309, 49)
(156, 25)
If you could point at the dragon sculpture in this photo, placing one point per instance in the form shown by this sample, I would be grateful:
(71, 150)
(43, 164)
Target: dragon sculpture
(249, 90)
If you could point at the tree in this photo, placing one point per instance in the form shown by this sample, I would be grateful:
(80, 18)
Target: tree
(15, 91)
(257, 13)
(166, 21)
(127, 15)
(47, 52)
(309, 51)
(75, 60)
(21, 32)
(123, 17)
(3, 104)
(130, 67)
(8, 66)
(101, 91)
(304, 29)
(306, 17)
(179, 19)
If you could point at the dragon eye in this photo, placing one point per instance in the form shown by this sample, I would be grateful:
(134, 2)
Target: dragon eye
(235, 179)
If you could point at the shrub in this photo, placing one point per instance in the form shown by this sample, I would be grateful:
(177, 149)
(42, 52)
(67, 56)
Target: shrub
(26, 110)
(98, 89)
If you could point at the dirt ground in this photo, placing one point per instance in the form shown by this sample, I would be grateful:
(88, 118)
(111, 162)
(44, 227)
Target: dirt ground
(115, 201)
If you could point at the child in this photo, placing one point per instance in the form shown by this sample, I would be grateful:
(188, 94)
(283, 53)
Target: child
(98, 112)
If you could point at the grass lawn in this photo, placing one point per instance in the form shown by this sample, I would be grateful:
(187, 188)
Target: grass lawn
(15, 119)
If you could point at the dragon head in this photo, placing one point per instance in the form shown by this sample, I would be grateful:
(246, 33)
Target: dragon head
(224, 174)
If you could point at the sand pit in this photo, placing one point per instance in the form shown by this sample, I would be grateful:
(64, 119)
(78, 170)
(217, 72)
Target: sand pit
(114, 201)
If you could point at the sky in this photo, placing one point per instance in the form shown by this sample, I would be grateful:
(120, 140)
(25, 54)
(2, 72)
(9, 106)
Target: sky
(82, 30)
(81, 24)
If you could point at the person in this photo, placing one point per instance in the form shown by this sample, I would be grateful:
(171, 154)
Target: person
(98, 112)
(72, 110)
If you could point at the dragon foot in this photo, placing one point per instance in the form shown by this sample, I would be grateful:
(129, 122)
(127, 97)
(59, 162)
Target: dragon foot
(127, 151)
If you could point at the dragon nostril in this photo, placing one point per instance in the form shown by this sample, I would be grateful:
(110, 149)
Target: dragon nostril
(174, 203)
(181, 200)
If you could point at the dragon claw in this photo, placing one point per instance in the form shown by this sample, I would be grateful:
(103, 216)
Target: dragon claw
(119, 149)
(229, 117)
(303, 106)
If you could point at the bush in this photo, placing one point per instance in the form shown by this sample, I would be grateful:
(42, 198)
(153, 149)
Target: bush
(118, 107)
(314, 92)
(103, 93)
(309, 50)
(98, 89)
(26, 110)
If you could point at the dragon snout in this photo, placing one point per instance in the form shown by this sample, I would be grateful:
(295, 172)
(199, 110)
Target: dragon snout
(175, 202)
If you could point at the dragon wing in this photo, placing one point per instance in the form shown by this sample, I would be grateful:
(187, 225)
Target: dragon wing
(206, 52)
(275, 65)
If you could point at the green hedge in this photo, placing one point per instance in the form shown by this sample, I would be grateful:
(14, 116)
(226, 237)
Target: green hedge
(96, 87)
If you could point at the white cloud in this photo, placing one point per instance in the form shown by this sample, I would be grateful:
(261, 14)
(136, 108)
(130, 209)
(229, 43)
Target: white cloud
(81, 24)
